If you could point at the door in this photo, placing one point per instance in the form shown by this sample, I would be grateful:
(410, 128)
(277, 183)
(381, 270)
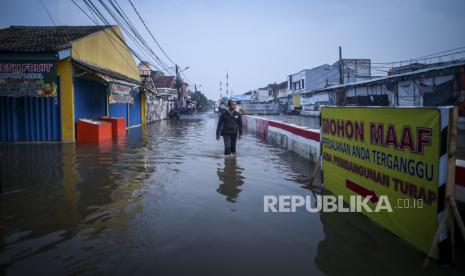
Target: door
(135, 110)
(29, 119)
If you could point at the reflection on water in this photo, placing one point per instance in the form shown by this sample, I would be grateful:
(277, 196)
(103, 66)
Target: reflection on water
(164, 200)
(230, 179)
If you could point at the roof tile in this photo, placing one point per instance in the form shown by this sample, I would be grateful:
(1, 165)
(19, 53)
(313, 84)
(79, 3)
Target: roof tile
(42, 38)
(164, 82)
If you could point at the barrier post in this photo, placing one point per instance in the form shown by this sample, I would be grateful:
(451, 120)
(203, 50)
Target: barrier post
(1, 171)
(451, 213)
(451, 151)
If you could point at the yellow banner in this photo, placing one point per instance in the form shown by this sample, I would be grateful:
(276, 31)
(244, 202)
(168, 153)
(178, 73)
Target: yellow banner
(386, 153)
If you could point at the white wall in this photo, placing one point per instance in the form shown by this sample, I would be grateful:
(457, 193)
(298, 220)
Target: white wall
(157, 108)
(263, 95)
(282, 93)
(297, 79)
(328, 75)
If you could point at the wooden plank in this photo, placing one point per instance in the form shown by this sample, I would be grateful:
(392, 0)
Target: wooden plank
(451, 151)
(450, 184)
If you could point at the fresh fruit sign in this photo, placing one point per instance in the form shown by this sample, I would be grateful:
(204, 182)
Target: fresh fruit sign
(393, 152)
(28, 79)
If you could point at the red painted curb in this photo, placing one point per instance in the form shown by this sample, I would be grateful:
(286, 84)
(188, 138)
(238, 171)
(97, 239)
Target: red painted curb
(315, 136)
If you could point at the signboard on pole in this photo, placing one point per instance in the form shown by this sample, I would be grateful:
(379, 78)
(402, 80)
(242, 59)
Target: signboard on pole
(120, 93)
(28, 79)
(399, 154)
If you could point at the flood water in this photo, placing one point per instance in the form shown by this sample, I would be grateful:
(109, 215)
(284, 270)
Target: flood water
(165, 201)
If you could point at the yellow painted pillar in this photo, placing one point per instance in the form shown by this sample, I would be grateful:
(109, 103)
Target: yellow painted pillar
(65, 71)
(143, 107)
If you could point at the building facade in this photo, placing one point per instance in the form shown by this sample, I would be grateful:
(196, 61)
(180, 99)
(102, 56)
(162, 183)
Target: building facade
(435, 86)
(51, 77)
(326, 75)
(157, 103)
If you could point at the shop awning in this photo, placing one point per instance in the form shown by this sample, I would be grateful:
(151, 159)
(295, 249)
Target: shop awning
(106, 74)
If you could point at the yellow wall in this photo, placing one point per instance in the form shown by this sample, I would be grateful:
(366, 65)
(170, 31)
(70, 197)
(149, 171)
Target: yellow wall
(104, 49)
(65, 71)
(143, 107)
(296, 100)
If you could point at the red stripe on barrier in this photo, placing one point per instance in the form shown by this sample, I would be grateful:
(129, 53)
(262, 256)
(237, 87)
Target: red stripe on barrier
(315, 136)
(460, 175)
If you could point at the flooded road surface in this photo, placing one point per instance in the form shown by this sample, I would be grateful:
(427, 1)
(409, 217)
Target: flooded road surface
(165, 201)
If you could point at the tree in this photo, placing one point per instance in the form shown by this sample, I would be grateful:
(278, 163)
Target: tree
(211, 105)
(201, 100)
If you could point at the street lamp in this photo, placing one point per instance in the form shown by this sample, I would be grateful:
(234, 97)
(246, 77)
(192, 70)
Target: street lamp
(195, 91)
(195, 87)
(195, 94)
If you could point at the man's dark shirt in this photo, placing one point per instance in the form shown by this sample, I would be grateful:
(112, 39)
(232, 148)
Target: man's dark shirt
(229, 123)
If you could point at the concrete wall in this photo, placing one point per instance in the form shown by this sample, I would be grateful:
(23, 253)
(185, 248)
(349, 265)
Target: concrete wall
(260, 108)
(319, 76)
(297, 79)
(157, 108)
(310, 113)
(301, 140)
(263, 95)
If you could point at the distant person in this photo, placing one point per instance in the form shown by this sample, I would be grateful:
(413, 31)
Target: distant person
(221, 108)
(229, 125)
(173, 114)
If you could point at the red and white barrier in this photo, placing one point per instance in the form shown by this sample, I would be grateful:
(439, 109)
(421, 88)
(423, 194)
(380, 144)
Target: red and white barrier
(306, 142)
(301, 140)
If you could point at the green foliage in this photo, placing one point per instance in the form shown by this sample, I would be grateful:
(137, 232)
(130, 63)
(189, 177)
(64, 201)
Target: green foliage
(201, 100)
(211, 105)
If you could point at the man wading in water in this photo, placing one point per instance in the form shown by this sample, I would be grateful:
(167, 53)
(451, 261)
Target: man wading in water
(229, 124)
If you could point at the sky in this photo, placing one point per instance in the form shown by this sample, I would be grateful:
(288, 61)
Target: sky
(261, 42)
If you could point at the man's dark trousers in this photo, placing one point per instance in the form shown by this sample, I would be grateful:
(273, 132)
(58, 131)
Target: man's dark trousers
(229, 143)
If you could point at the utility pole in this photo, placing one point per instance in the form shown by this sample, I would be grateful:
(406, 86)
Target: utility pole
(275, 92)
(227, 85)
(1, 170)
(178, 87)
(221, 92)
(341, 68)
(195, 95)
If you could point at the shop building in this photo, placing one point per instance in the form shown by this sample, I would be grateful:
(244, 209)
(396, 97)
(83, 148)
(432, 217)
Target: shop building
(50, 77)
